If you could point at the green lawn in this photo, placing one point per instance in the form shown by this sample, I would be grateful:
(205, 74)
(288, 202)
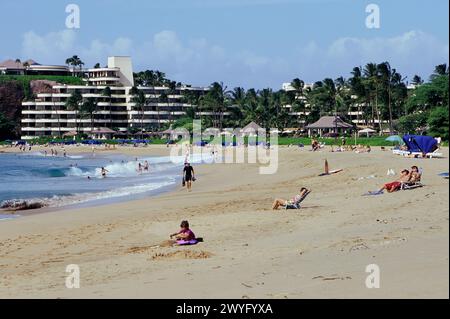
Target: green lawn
(28, 78)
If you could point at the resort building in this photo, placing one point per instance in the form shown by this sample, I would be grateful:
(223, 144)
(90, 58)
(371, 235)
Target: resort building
(31, 67)
(47, 115)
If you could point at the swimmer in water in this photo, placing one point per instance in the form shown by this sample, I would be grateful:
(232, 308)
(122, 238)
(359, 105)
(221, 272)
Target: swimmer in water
(104, 171)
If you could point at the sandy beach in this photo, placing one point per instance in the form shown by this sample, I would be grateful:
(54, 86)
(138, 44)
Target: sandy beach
(249, 250)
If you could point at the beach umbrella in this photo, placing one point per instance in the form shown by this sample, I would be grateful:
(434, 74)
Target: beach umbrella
(395, 139)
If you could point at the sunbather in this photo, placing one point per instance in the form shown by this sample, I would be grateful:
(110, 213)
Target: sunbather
(315, 145)
(294, 201)
(395, 185)
(414, 179)
(415, 175)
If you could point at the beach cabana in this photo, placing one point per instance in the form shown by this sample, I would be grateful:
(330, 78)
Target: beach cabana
(367, 131)
(327, 125)
(102, 133)
(252, 128)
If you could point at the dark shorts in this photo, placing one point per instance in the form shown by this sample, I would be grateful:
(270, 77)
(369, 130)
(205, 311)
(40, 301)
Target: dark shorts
(188, 178)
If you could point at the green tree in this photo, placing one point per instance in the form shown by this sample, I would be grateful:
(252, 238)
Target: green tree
(439, 70)
(412, 123)
(106, 93)
(75, 61)
(140, 101)
(438, 122)
(73, 103)
(89, 108)
(6, 127)
(417, 80)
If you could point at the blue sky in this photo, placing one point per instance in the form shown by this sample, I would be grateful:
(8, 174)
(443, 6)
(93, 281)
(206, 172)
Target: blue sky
(249, 43)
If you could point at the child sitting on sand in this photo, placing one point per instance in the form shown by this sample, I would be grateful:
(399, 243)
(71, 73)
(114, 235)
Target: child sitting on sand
(185, 236)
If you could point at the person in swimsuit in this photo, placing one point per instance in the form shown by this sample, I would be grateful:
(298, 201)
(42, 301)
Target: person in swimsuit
(396, 185)
(414, 176)
(146, 166)
(188, 174)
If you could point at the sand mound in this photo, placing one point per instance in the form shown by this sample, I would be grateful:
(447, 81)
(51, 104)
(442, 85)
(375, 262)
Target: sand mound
(182, 254)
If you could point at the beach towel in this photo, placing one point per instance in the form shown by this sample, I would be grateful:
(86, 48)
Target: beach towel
(373, 193)
(183, 242)
(331, 172)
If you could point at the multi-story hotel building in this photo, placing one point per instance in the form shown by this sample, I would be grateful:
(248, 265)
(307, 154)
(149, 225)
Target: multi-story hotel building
(47, 114)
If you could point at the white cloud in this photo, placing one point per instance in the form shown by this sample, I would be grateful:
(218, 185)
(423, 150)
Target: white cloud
(411, 52)
(199, 62)
(45, 47)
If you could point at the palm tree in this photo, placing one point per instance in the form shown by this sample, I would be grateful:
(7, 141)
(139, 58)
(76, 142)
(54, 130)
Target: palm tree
(163, 98)
(371, 73)
(298, 86)
(439, 70)
(218, 98)
(106, 92)
(89, 108)
(358, 90)
(73, 103)
(171, 91)
(75, 61)
(192, 98)
(140, 101)
(417, 80)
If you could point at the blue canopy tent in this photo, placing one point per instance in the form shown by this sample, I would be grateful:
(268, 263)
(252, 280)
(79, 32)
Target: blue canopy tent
(420, 143)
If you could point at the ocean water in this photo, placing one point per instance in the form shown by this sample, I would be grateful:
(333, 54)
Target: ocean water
(60, 181)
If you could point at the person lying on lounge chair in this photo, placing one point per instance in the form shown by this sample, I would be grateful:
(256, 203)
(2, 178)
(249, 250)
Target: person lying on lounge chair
(414, 180)
(415, 175)
(395, 185)
(294, 202)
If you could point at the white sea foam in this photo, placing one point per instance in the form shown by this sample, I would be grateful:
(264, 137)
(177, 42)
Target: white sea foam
(58, 201)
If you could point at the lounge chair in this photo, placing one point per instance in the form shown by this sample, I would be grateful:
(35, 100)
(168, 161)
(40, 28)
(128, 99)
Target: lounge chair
(412, 185)
(296, 205)
(417, 154)
(406, 186)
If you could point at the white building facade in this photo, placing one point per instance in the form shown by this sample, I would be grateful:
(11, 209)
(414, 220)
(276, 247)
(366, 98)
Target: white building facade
(47, 115)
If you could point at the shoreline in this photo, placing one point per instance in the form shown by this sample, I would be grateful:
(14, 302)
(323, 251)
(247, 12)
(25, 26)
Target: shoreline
(71, 202)
(249, 250)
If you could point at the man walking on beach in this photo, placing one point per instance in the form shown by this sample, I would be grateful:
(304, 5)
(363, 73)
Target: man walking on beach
(188, 174)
